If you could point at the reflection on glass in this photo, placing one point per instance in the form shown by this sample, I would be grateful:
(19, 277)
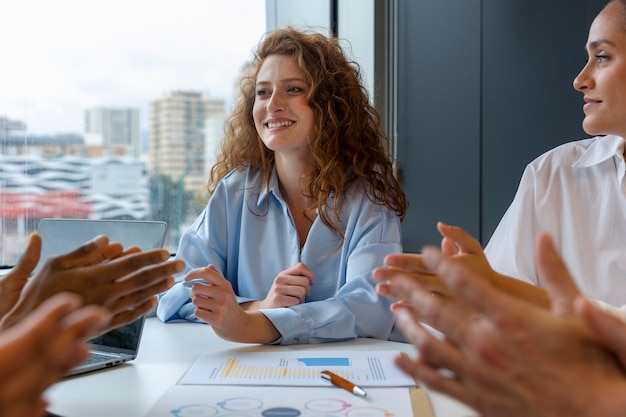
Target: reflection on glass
(115, 112)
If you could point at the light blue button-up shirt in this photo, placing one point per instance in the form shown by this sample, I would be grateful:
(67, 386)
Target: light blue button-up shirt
(248, 234)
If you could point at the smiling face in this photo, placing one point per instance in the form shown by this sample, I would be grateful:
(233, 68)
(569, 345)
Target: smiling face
(603, 79)
(282, 115)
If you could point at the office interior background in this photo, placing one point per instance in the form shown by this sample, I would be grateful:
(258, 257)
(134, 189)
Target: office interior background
(470, 91)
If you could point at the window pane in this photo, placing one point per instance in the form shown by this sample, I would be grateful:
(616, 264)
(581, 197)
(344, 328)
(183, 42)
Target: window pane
(112, 110)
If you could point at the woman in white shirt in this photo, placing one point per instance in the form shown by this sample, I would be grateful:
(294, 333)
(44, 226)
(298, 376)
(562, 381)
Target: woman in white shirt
(576, 193)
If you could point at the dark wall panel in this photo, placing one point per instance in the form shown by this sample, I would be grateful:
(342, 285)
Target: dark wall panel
(439, 115)
(532, 50)
(485, 86)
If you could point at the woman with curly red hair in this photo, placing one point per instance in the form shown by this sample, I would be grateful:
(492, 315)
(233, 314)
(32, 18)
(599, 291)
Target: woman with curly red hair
(303, 206)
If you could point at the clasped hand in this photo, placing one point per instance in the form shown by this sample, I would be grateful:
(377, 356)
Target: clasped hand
(216, 303)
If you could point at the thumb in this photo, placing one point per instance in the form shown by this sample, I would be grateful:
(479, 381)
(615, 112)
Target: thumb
(29, 259)
(460, 238)
(554, 275)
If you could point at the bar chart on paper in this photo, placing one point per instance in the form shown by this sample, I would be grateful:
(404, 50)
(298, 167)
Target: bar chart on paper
(374, 369)
(298, 368)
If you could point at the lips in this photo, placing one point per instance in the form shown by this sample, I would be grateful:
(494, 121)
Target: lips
(590, 103)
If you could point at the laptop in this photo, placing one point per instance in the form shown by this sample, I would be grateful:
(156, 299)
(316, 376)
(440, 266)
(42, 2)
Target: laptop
(60, 236)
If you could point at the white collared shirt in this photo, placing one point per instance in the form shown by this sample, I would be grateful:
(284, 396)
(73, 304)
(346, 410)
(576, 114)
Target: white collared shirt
(576, 193)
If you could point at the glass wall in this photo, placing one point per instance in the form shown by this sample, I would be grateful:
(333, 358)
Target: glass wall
(115, 110)
(112, 110)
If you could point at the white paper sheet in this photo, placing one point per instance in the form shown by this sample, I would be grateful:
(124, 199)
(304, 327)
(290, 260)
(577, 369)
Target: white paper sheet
(297, 368)
(206, 401)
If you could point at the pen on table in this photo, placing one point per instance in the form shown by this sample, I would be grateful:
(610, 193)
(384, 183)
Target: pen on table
(343, 383)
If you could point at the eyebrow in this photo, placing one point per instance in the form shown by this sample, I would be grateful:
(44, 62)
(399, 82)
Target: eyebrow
(286, 80)
(598, 43)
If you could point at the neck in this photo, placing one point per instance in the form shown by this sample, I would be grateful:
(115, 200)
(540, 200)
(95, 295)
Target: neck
(290, 173)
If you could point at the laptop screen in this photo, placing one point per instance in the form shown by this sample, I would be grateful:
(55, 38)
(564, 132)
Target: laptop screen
(124, 337)
(64, 235)
(60, 236)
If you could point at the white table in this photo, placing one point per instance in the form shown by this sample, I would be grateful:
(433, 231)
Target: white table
(166, 352)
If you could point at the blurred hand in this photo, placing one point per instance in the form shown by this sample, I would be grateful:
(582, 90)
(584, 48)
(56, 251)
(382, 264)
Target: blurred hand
(455, 243)
(515, 358)
(11, 284)
(126, 283)
(39, 350)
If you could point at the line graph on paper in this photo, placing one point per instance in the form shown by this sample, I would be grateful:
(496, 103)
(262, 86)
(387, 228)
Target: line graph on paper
(299, 368)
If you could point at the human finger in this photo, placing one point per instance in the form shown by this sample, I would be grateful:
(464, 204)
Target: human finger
(461, 239)
(129, 315)
(126, 266)
(29, 259)
(441, 313)
(82, 255)
(214, 277)
(555, 275)
(113, 250)
(299, 269)
(139, 295)
(159, 275)
(448, 247)
(473, 290)
(610, 331)
(199, 273)
(130, 250)
(437, 353)
(433, 378)
(295, 282)
(391, 277)
(407, 261)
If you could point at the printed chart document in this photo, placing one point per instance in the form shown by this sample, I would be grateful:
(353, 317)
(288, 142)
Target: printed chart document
(296, 368)
(218, 401)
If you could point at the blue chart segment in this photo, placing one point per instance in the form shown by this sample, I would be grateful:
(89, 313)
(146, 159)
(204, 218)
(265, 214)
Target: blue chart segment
(325, 361)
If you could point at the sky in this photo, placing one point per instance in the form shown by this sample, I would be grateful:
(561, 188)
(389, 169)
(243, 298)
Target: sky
(61, 57)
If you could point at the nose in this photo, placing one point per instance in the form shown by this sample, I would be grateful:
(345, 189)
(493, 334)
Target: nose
(276, 102)
(584, 80)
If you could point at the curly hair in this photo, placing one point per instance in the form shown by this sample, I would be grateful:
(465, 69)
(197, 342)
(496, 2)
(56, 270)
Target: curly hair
(348, 145)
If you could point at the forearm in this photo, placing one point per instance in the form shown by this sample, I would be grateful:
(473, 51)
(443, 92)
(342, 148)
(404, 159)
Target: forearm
(262, 330)
(251, 305)
(251, 327)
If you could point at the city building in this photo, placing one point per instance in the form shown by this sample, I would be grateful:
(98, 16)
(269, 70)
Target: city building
(113, 126)
(177, 136)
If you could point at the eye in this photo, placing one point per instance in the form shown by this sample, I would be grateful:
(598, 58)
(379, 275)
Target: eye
(601, 58)
(295, 90)
(261, 92)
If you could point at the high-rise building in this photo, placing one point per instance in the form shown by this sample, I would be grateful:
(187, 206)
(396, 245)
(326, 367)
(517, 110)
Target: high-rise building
(116, 126)
(177, 136)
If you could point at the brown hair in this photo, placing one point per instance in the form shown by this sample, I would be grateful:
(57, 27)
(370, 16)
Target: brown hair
(348, 145)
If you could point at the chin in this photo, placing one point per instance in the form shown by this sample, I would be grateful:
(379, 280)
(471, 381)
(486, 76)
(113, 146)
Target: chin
(590, 129)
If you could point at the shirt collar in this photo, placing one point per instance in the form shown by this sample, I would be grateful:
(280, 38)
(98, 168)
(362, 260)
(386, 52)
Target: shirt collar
(273, 188)
(603, 148)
